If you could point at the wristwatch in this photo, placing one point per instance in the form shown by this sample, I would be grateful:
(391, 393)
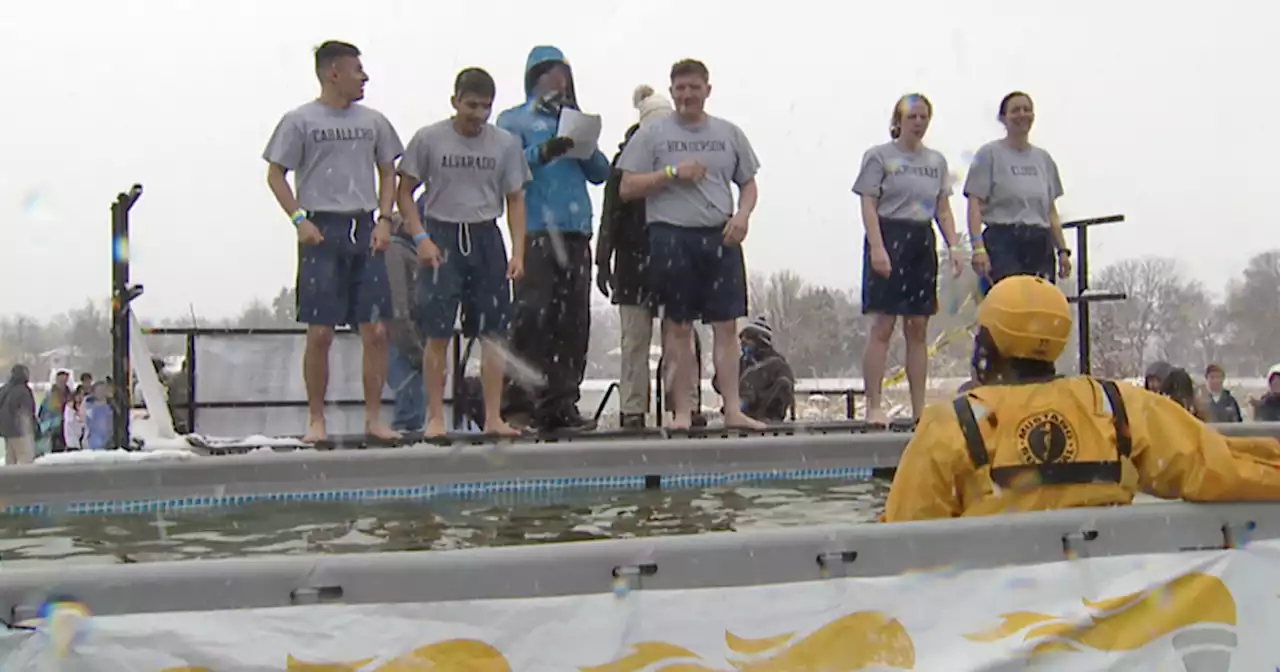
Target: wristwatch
(385, 218)
(1063, 250)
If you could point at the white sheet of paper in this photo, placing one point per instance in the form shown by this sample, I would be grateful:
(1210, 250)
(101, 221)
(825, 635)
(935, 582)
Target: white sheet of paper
(584, 129)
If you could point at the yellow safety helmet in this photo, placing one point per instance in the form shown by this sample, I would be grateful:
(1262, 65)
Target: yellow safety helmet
(1027, 318)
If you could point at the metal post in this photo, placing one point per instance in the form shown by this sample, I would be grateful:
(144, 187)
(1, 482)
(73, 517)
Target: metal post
(122, 293)
(1083, 325)
(190, 364)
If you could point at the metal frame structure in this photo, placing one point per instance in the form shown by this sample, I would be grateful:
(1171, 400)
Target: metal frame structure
(123, 293)
(193, 405)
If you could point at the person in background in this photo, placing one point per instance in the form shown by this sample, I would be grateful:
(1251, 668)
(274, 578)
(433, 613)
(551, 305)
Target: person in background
(472, 170)
(1179, 387)
(86, 383)
(99, 420)
(73, 422)
(684, 166)
(404, 345)
(1013, 188)
(767, 385)
(343, 158)
(903, 187)
(1221, 405)
(18, 424)
(551, 321)
(1156, 373)
(622, 259)
(1267, 409)
(178, 392)
(1030, 440)
(50, 413)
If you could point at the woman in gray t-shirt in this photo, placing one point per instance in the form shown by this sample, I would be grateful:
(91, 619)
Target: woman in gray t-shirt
(1012, 188)
(903, 188)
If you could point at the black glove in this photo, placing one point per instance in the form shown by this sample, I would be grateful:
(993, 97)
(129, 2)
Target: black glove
(604, 278)
(554, 148)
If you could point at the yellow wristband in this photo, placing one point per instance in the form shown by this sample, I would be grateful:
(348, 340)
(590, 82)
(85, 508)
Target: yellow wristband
(979, 250)
(670, 171)
(297, 216)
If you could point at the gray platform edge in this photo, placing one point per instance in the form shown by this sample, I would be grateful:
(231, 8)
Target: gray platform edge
(699, 561)
(427, 471)
(473, 471)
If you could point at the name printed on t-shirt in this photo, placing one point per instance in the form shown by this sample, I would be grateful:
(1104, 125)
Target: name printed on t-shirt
(697, 145)
(349, 134)
(920, 171)
(468, 162)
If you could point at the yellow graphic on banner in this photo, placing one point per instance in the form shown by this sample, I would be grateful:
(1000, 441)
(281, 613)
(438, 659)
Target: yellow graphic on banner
(454, 655)
(1197, 608)
(860, 641)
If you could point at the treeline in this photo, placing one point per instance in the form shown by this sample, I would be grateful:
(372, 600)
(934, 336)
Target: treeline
(1168, 315)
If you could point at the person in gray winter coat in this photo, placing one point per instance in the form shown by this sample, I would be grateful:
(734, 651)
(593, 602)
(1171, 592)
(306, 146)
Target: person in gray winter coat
(18, 425)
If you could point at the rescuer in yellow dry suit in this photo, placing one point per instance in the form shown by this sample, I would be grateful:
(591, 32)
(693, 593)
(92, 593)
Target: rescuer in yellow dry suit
(1029, 440)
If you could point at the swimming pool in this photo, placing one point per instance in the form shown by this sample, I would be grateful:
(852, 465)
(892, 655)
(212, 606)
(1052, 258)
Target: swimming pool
(440, 523)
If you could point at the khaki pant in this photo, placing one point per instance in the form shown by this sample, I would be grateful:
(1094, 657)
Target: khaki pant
(20, 450)
(636, 378)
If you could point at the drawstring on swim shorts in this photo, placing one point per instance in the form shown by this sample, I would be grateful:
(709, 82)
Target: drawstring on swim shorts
(464, 239)
(351, 232)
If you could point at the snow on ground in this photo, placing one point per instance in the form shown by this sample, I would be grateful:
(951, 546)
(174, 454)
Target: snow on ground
(110, 456)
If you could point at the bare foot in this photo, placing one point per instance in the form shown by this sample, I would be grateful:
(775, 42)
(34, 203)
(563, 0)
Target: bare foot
(500, 428)
(877, 416)
(378, 430)
(681, 421)
(435, 428)
(315, 431)
(741, 420)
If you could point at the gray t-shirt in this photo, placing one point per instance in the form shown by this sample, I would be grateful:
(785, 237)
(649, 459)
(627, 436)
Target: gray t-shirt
(908, 184)
(1016, 187)
(335, 154)
(718, 144)
(467, 179)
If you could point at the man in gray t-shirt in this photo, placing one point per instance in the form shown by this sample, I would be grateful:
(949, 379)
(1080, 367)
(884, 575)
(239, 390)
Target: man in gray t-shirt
(471, 169)
(337, 149)
(684, 166)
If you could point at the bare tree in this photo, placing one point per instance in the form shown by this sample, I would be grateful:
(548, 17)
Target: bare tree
(1128, 332)
(1253, 308)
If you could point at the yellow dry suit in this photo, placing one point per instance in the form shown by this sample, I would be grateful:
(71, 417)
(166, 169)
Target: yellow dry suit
(1068, 442)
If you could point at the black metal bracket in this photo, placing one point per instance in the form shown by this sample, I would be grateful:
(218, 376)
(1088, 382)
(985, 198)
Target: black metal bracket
(122, 294)
(1082, 300)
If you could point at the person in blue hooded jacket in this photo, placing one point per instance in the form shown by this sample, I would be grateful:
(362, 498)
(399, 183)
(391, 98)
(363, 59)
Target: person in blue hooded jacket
(552, 318)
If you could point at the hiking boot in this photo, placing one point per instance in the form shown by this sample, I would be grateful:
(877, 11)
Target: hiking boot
(632, 421)
(567, 420)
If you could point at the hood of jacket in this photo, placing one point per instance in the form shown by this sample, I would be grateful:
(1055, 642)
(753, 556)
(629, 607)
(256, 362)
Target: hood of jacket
(539, 57)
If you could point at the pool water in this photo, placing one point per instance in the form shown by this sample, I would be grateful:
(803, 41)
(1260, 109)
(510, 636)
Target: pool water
(436, 524)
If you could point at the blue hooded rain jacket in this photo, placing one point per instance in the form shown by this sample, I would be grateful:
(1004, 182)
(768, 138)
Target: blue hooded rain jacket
(556, 197)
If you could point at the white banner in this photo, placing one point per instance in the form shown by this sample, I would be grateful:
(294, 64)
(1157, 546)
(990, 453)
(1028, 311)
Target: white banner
(1208, 611)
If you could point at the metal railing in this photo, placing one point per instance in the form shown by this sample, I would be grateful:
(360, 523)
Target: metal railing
(123, 293)
(193, 405)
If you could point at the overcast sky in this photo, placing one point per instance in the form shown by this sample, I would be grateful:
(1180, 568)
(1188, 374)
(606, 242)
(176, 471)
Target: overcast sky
(1158, 113)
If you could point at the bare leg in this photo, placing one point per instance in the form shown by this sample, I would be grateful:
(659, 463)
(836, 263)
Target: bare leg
(373, 338)
(492, 366)
(433, 357)
(315, 376)
(678, 357)
(873, 363)
(916, 331)
(725, 351)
